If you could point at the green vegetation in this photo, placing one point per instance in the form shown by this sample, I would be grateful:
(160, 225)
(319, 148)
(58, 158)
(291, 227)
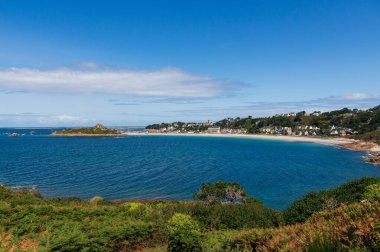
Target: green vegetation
(72, 224)
(351, 192)
(184, 234)
(96, 130)
(221, 192)
(29, 222)
(372, 136)
(372, 192)
(354, 227)
(179, 126)
(363, 123)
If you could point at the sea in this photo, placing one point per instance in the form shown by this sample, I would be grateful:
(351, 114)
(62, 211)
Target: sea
(172, 167)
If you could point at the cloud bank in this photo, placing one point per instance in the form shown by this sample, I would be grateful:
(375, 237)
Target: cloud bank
(166, 82)
(258, 109)
(32, 119)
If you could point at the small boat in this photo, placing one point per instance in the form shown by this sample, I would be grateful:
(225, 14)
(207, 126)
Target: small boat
(14, 135)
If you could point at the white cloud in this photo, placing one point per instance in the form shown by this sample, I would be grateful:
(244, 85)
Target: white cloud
(31, 119)
(258, 109)
(355, 96)
(167, 82)
(60, 119)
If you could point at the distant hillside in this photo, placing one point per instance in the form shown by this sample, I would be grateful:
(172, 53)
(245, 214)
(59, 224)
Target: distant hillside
(360, 124)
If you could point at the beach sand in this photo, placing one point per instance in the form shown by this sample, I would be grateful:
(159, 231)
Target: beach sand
(327, 140)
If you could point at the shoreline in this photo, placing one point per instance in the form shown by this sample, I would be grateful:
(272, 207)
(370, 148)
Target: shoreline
(327, 140)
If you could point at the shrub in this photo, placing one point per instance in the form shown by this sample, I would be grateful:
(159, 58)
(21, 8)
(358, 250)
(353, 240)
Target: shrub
(132, 206)
(71, 238)
(324, 245)
(372, 192)
(184, 234)
(354, 226)
(353, 191)
(221, 192)
(235, 216)
(313, 202)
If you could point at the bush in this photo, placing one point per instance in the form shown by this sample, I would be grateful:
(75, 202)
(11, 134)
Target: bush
(184, 234)
(235, 216)
(372, 192)
(355, 226)
(313, 202)
(71, 238)
(354, 190)
(221, 192)
(324, 245)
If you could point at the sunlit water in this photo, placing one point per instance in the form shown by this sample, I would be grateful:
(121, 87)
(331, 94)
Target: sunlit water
(173, 167)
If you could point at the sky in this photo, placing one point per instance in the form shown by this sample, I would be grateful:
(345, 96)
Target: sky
(82, 62)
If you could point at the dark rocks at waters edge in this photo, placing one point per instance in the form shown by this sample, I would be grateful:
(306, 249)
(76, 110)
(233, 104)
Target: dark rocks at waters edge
(372, 149)
(373, 157)
(35, 193)
(14, 135)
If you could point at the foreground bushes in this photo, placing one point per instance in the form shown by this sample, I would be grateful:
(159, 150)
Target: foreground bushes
(73, 228)
(72, 224)
(347, 227)
(28, 222)
(313, 202)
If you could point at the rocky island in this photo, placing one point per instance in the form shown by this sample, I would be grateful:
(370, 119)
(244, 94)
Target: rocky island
(97, 130)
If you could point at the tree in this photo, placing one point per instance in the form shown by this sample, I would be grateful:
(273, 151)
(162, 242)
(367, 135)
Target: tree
(221, 192)
(248, 124)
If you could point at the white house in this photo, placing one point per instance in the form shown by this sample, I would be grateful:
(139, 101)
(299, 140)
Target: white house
(213, 130)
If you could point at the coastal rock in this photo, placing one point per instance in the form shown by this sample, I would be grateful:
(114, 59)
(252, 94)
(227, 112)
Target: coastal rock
(359, 146)
(35, 193)
(372, 149)
(373, 158)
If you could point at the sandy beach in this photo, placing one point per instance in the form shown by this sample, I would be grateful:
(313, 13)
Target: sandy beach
(327, 140)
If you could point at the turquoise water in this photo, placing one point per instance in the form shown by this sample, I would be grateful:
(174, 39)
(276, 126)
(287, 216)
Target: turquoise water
(173, 167)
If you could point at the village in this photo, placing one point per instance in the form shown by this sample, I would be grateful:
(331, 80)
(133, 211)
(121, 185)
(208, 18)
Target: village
(210, 128)
(307, 130)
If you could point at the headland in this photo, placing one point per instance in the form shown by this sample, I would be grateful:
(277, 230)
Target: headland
(97, 131)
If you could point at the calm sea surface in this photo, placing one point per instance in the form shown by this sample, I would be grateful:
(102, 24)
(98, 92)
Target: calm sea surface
(172, 167)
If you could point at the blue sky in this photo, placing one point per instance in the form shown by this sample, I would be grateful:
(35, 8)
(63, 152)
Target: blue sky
(70, 63)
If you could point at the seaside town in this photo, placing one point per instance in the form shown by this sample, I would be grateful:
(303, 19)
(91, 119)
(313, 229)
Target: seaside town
(304, 130)
(293, 122)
